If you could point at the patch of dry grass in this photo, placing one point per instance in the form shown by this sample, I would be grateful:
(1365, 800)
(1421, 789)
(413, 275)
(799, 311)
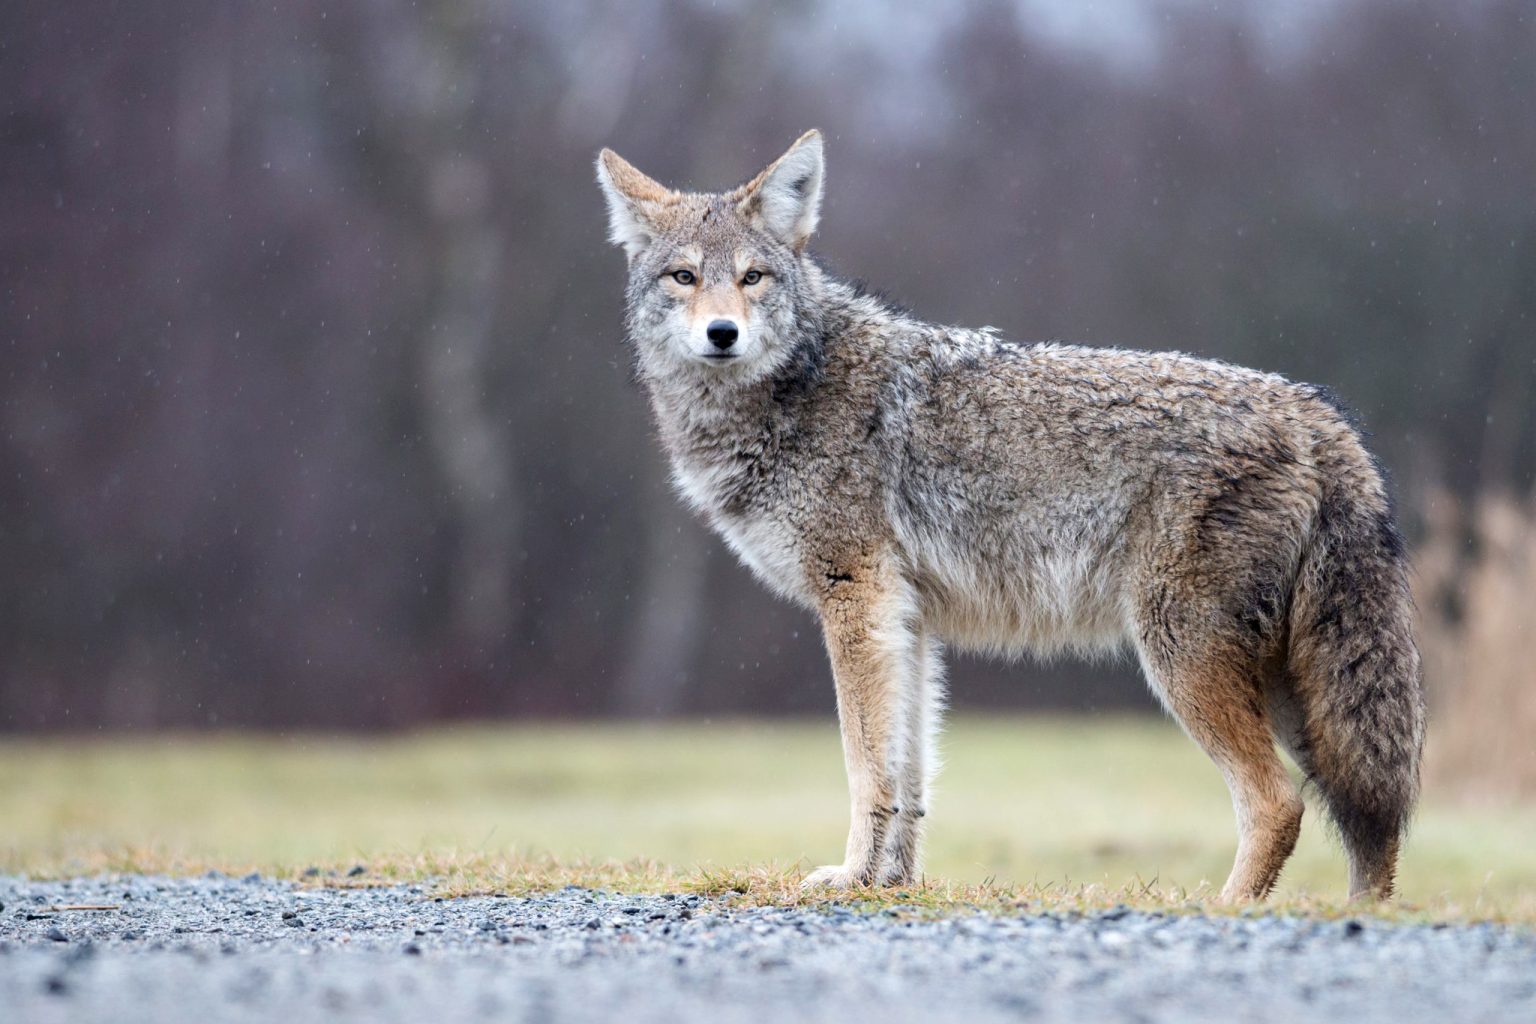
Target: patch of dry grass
(1043, 813)
(1476, 583)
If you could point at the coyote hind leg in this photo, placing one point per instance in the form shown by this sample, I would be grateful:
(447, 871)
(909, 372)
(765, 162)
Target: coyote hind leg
(1221, 707)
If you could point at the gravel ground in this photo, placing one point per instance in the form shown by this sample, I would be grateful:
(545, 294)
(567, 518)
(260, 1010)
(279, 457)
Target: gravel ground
(221, 948)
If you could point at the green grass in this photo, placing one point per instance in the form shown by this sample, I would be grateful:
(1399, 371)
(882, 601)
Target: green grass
(1083, 810)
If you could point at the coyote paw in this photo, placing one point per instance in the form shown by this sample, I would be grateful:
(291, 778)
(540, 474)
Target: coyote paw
(833, 876)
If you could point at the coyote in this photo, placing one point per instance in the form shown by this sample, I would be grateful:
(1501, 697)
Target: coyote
(917, 485)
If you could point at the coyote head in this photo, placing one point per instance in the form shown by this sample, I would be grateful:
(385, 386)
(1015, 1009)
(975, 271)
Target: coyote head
(716, 280)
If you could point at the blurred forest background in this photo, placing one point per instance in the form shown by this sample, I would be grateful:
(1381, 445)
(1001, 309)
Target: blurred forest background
(315, 408)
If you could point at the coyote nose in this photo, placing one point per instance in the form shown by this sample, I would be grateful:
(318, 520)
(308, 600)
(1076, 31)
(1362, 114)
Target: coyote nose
(722, 334)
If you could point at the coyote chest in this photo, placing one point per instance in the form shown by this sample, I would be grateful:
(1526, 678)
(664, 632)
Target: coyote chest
(769, 548)
(765, 542)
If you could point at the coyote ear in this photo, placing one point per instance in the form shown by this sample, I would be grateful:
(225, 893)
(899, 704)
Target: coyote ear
(785, 200)
(633, 200)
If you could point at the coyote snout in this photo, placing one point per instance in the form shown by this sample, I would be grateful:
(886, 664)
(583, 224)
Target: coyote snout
(913, 485)
(722, 335)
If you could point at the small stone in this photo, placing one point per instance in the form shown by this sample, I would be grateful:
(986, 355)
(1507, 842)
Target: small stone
(54, 935)
(357, 869)
(411, 949)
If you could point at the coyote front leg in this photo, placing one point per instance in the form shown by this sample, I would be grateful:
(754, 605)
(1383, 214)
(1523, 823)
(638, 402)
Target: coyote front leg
(867, 616)
(923, 707)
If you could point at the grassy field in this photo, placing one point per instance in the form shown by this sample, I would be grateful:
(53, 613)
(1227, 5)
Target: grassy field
(1027, 808)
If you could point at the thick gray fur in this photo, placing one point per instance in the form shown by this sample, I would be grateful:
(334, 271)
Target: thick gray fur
(914, 484)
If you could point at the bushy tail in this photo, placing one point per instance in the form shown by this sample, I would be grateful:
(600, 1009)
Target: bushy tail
(1355, 666)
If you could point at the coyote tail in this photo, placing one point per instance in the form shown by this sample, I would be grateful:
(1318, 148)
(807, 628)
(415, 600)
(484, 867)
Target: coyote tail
(1356, 667)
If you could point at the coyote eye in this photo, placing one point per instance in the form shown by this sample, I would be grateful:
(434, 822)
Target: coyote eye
(752, 277)
(683, 276)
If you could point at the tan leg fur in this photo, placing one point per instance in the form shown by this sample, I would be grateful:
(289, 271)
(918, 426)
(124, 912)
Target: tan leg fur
(866, 614)
(1219, 707)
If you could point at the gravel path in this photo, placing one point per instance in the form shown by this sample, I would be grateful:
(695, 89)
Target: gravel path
(253, 949)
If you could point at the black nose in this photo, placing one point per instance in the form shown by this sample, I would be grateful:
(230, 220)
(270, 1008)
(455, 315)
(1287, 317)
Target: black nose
(722, 334)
